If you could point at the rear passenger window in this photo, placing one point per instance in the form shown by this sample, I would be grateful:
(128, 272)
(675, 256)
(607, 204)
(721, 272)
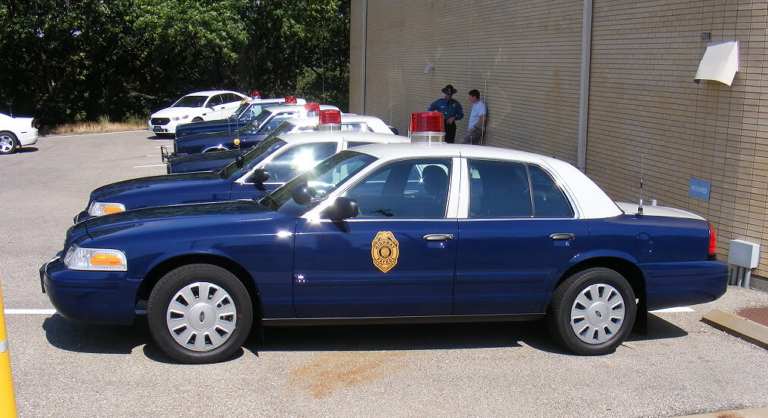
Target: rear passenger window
(498, 190)
(548, 200)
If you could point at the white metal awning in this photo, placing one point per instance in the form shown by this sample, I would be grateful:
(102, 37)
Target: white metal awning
(720, 62)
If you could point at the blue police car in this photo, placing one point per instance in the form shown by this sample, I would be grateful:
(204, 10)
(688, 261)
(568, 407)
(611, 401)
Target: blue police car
(244, 114)
(264, 168)
(253, 133)
(216, 160)
(395, 233)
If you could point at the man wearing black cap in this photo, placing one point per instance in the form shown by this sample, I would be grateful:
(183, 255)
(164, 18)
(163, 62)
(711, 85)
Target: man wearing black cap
(451, 110)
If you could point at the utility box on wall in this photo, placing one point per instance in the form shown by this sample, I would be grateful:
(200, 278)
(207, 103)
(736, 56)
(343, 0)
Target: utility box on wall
(744, 254)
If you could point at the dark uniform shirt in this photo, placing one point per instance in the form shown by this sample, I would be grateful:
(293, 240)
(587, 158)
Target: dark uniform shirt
(449, 110)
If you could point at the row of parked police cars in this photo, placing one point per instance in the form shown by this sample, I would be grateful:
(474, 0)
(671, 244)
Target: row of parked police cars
(294, 214)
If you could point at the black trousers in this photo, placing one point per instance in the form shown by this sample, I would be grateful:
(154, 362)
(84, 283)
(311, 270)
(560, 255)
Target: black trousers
(450, 132)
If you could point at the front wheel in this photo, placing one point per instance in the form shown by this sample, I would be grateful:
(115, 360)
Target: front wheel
(8, 142)
(199, 313)
(197, 119)
(592, 312)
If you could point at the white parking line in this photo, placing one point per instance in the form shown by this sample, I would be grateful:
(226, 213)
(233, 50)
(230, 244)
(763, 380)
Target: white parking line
(151, 165)
(675, 310)
(153, 155)
(9, 311)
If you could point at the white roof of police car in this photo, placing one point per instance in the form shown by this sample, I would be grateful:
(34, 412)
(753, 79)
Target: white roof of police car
(321, 136)
(592, 201)
(376, 124)
(294, 107)
(268, 100)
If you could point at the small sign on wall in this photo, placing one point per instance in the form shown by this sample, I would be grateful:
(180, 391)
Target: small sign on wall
(699, 189)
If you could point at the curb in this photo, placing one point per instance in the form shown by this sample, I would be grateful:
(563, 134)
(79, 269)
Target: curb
(740, 327)
(744, 413)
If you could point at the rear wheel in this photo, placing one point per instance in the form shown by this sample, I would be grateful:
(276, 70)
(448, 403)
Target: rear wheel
(592, 312)
(8, 142)
(199, 313)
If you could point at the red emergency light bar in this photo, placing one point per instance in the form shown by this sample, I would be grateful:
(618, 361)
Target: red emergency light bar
(427, 127)
(290, 99)
(330, 116)
(312, 107)
(427, 122)
(256, 94)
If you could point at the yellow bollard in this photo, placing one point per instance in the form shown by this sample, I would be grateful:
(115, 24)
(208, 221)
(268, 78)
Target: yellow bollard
(7, 399)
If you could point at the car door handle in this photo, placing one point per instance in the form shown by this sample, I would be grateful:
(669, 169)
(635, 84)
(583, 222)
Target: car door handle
(438, 237)
(561, 236)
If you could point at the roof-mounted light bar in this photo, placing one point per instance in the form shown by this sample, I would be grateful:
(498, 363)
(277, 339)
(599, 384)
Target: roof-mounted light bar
(330, 120)
(290, 99)
(427, 127)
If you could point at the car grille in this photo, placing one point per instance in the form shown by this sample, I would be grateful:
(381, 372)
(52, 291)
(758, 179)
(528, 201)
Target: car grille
(160, 121)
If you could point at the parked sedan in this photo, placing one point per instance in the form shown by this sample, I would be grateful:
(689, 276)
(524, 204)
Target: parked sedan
(399, 233)
(195, 107)
(16, 132)
(216, 160)
(272, 164)
(253, 133)
(243, 115)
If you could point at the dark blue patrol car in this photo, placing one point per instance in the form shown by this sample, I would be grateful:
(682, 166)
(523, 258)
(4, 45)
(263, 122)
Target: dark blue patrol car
(391, 233)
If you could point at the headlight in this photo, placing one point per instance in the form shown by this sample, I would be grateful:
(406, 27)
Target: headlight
(95, 259)
(104, 208)
(180, 117)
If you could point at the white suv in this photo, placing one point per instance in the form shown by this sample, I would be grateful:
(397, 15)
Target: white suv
(195, 107)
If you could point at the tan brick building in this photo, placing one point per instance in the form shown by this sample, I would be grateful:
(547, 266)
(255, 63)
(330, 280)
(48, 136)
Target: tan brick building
(643, 116)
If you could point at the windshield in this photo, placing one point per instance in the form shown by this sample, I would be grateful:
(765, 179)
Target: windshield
(253, 157)
(321, 180)
(190, 101)
(257, 121)
(285, 128)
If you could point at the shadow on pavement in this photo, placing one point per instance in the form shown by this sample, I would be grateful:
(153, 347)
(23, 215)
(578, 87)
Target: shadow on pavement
(25, 150)
(112, 339)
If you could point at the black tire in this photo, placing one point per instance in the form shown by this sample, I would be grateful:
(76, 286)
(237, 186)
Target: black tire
(207, 329)
(197, 119)
(8, 142)
(607, 303)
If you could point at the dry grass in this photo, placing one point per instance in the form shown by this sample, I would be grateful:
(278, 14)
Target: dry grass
(102, 125)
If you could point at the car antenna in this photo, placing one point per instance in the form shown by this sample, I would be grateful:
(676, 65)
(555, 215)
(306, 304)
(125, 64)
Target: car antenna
(642, 165)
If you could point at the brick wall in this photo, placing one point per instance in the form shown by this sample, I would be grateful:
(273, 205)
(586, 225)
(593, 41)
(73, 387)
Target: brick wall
(647, 118)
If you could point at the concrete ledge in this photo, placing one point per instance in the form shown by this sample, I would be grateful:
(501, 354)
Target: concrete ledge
(741, 327)
(744, 413)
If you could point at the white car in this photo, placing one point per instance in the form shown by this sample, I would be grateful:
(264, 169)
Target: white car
(16, 133)
(195, 107)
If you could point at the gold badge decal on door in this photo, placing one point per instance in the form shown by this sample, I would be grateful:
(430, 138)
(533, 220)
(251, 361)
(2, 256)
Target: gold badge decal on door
(384, 251)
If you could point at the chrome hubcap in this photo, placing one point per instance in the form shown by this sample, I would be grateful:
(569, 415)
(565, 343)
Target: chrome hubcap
(201, 316)
(597, 313)
(6, 143)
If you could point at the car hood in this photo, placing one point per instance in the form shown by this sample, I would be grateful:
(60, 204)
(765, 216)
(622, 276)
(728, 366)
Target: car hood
(179, 215)
(170, 112)
(163, 181)
(225, 157)
(208, 137)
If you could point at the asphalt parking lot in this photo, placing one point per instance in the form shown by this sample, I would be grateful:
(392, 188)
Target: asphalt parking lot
(68, 369)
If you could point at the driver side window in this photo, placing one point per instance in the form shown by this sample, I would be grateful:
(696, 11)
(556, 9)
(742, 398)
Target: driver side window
(405, 189)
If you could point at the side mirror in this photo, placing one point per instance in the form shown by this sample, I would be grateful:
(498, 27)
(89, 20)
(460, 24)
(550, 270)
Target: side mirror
(342, 208)
(239, 160)
(259, 177)
(301, 194)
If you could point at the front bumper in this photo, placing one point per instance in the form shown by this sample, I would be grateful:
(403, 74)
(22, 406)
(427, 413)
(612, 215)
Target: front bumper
(90, 296)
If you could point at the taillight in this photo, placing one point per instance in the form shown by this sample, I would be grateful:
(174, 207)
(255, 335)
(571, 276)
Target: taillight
(427, 127)
(712, 252)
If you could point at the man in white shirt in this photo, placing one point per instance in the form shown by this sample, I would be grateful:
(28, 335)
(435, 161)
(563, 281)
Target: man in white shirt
(476, 126)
